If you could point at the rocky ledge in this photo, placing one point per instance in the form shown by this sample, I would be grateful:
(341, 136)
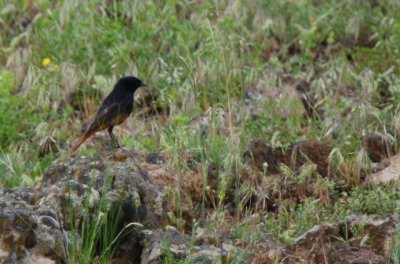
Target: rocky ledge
(36, 224)
(41, 224)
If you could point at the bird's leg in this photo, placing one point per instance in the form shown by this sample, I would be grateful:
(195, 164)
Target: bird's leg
(113, 138)
(116, 142)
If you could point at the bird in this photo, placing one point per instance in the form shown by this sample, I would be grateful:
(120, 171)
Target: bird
(114, 110)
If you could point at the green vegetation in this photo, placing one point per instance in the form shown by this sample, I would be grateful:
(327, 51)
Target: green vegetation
(219, 69)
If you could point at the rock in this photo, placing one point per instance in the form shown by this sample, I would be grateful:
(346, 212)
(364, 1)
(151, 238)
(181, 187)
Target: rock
(173, 244)
(379, 231)
(155, 158)
(390, 173)
(338, 243)
(163, 243)
(266, 251)
(121, 154)
(344, 254)
(320, 232)
(26, 236)
(201, 237)
(33, 222)
(211, 254)
(83, 180)
(130, 250)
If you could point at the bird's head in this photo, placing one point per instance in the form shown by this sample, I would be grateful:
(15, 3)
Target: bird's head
(129, 82)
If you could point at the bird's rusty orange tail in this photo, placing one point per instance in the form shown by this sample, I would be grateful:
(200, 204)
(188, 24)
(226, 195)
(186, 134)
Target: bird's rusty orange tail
(82, 139)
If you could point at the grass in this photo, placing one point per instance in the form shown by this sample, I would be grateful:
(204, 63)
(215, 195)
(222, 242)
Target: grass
(203, 59)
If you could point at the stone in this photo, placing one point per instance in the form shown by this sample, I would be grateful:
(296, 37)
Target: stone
(34, 222)
(172, 243)
(25, 236)
(338, 243)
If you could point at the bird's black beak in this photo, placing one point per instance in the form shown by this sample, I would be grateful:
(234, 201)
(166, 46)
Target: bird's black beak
(143, 84)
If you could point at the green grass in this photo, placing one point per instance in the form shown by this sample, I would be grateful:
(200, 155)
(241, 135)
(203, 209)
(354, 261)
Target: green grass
(202, 58)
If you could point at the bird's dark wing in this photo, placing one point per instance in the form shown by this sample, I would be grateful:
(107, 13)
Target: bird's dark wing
(112, 114)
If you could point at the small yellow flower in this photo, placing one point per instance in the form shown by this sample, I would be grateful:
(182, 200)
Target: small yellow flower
(46, 62)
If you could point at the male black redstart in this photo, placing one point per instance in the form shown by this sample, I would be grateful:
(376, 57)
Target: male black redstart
(114, 110)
